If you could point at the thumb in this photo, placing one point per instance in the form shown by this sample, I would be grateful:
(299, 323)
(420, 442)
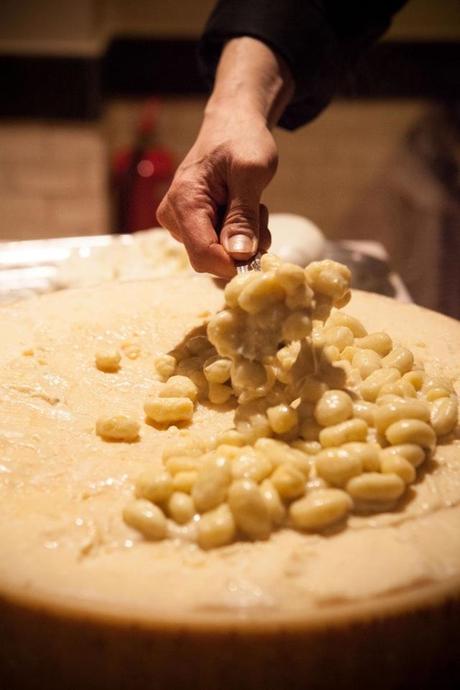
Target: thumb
(240, 231)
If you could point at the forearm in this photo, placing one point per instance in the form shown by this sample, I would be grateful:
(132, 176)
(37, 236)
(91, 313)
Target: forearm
(318, 39)
(251, 80)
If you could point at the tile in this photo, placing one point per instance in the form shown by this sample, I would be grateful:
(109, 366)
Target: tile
(53, 180)
(22, 217)
(45, 178)
(18, 140)
(79, 216)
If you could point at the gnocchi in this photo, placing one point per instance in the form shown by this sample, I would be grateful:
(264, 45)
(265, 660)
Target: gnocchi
(329, 418)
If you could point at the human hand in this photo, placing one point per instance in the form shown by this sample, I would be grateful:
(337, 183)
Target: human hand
(213, 205)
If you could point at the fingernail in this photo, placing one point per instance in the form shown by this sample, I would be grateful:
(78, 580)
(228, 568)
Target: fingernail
(240, 244)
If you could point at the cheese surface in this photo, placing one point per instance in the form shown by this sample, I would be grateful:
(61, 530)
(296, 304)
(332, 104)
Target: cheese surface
(62, 488)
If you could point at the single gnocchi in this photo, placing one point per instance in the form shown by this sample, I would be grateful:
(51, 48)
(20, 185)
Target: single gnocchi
(168, 410)
(165, 365)
(108, 359)
(334, 407)
(249, 509)
(119, 427)
(147, 518)
(179, 387)
(320, 509)
(216, 528)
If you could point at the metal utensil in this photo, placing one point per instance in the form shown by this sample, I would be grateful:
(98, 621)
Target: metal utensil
(251, 265)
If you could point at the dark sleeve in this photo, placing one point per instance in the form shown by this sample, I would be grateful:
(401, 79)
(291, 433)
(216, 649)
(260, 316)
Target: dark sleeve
(319, 39)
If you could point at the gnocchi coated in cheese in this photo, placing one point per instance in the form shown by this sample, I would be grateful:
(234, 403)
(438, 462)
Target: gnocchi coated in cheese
(329, 419)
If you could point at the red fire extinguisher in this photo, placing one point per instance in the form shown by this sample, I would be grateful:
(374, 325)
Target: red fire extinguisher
(141, 176)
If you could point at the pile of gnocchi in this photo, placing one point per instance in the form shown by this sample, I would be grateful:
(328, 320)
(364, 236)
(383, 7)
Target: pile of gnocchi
(329, 419)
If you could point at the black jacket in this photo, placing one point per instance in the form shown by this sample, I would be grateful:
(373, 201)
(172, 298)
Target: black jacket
(319, 39)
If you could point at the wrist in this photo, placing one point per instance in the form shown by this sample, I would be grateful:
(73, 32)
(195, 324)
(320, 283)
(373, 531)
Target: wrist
(234, 108)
